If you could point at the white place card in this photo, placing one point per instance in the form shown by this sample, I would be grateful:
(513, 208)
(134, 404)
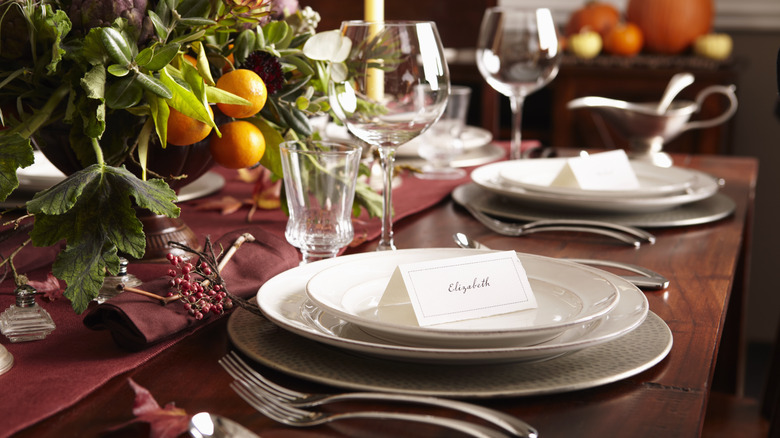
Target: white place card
(603, 171)
(461, 288)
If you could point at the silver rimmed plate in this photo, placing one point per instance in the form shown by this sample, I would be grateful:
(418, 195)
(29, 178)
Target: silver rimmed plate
(489, 178)
(286, 352)
(283, 300)
(539, 174)
(567, 294)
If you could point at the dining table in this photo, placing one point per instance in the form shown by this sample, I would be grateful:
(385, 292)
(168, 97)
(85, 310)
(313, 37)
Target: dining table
(77, 381)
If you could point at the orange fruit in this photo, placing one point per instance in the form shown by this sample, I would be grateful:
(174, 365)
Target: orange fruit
(242, 145)
(624, 40)
(184, 130)
(243, 83)
(191, 60)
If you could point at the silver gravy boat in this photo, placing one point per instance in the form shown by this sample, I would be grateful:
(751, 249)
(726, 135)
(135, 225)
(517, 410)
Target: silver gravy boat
(646, 130)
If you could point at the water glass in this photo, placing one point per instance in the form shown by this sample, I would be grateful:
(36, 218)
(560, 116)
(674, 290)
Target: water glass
(319, 183)
(443, 142)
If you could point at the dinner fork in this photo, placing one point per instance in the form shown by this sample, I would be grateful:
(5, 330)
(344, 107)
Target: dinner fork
(630, 235)
(281, 412)
(245, 374)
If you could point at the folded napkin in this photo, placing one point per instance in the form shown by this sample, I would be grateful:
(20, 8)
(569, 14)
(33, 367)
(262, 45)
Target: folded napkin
(137, 322)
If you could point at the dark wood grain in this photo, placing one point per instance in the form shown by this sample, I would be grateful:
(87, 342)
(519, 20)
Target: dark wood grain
(705, 264)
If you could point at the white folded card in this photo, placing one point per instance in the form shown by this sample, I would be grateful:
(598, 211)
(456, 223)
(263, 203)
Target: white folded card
(460, 288)
(603, 171)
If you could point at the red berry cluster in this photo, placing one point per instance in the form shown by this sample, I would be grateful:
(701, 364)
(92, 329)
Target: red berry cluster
(199, 287)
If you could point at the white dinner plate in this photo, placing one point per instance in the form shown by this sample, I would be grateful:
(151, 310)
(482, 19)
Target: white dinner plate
(489, 178)
(473, 137)
(42, 174)
(538, 174)
(626, 356)
(566, 294)
(283, 300)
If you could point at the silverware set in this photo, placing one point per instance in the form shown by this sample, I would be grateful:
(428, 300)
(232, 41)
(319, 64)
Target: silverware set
(646, 279)
(626, 234)
(285, 405)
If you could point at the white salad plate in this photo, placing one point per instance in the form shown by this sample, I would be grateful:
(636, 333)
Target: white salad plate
(283, 300)
(489, 178)
(566, 295)
(653, 181)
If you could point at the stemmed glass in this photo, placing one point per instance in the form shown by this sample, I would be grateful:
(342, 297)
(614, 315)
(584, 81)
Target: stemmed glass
(517, 53)
(395, 85)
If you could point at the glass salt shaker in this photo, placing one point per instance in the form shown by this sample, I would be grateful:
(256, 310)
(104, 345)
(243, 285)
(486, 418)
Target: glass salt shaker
(111, 283)
(26, 320)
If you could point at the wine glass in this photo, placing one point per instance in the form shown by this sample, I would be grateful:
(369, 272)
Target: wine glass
(395, 85)
(517, 53)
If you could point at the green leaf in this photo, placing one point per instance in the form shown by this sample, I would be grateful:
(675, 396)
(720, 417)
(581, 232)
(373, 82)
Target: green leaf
(15, 152)
(51, 27)
(193, 8)
(124, 93)
(218, 95)
(160, 111)
(151, 83)
(196, 21)
(116, 46)
(203, 63)
(243, 45)
(276, 32)
(185, 102)
(159, 27)
(118, 70)
(96, 202)
(272, 158)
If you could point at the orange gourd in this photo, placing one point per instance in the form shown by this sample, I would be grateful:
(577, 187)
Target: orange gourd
(670, 26)
(596, 16)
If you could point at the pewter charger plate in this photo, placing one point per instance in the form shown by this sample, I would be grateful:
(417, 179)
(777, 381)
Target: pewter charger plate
(705, 211)
(267, 344)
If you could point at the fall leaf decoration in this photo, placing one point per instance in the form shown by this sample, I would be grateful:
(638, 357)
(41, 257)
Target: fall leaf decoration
(167, 422)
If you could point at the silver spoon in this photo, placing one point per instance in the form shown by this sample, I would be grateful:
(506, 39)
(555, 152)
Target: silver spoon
(676, 84)
(647, 279)
(205, 425)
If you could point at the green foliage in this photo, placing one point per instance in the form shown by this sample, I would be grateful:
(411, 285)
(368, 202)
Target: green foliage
(96, 204)
(111, 87)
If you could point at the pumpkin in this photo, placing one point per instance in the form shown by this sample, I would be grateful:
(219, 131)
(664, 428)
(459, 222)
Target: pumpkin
(596, 16)
(670, 26)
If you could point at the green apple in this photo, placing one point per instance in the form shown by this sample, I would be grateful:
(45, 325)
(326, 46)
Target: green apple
(713, 45)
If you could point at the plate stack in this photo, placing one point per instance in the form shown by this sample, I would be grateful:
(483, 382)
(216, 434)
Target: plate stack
(522, 190)
(590, 328)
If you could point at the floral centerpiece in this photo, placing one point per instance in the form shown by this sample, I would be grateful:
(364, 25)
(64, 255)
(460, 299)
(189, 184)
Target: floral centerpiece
(121, 78)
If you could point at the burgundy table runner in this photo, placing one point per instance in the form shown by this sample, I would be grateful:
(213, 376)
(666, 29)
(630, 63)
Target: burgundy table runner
(54, 373)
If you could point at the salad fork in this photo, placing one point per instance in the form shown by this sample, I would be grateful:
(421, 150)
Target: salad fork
(281, 412)
(256, 382)
(630, 235)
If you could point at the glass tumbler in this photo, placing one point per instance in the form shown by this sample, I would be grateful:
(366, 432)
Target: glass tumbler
(319, 183)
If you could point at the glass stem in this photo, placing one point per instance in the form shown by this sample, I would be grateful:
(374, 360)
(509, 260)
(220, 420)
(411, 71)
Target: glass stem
(515, 152)
(387, 159)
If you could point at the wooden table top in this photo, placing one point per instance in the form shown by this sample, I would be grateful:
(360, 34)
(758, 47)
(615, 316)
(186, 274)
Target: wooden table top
(706, 265)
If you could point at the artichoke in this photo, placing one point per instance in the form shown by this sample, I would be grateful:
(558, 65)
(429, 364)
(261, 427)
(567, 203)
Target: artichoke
(88, 14)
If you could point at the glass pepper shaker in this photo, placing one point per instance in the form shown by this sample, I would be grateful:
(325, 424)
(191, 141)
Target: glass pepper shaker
(26, 320)
(111, 283)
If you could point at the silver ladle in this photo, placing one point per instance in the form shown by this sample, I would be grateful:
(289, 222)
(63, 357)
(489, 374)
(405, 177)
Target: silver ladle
(676, 84)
